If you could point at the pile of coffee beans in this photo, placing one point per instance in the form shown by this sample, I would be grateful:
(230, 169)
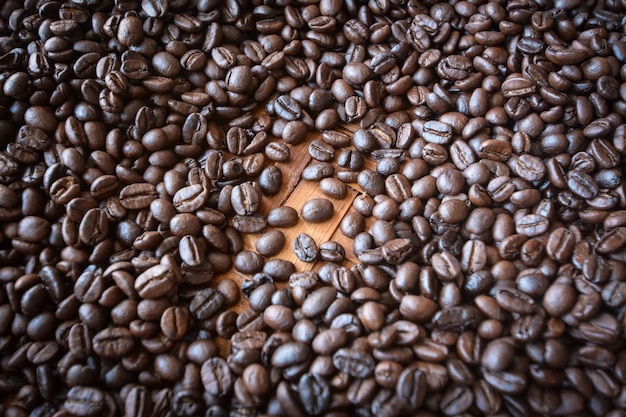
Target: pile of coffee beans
(138, 139)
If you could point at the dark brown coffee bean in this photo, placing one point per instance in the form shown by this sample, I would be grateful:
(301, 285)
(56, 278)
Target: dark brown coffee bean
(305, 248)
(417, 308)
(89, 285)
(321, 151)
(506, 382)
(289, 354)
(287, 108)
(612, 240)
(277, 151)
(206, 303)
(113, 342)
(582, 184)
(317, 210)
(137, 196)
(317, 171)
(283, 216)
(253, 223)
(174, 322)
(498, 354)
(315, 393)
(333, 188)
(532, 225)
(217, 377)
(270, 243)
(371, 182)
(155, 281)
(279, 318)
(354, 362)
(256, 379)
(248, 262)
(190, 198)
(514, 300)
(245, 198)
(332, 251)
(84, 401)
(456, 399)
(560, 244)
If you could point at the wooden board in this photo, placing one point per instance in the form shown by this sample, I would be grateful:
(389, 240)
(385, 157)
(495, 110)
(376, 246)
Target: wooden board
(294, 193)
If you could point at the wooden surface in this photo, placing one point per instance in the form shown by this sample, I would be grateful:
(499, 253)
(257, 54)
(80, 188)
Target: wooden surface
(294, 193)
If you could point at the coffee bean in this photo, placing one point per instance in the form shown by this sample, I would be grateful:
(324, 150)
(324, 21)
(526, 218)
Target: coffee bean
(317, 210)
(137, 196)
(84, 401)
(315, 393)
(174, 322)
(333, 188)
(317, 171)
(279, 269)
(287, 108)
(245, 199)
(305, 248)
(271, 180)
(288, 354)
(216, 377)
(514, 300)
(270, 243)
(190, 198)
(506, 382)
(532, 225)
(456, 399)
(558, 305)
(321, 151)
(256, 379)
(582, 184)
(417, 308)
(253, 223)
(332, 251)
(283, 216)
(318, 301)
(155, 282)
(206, 303)
(354, 362)
(113, 342)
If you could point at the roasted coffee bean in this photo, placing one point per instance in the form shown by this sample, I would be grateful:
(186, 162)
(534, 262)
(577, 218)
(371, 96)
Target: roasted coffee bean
(287, 108)
(217, 377)
(271, 180)
(315, 393)
(113, 342)
(245, 198)
(174, 322)
(354, 362)
(532, 225)
(270, 243)
(332, 251)
(253, 223)
(292, 353)
(333, 188)
(206, 303)
(317, 210)
(283, 216)
(305, 248)
(506, 382)
(582, 184)
(155, 282)
(137, 196)
(85, 401)
(317, 171)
